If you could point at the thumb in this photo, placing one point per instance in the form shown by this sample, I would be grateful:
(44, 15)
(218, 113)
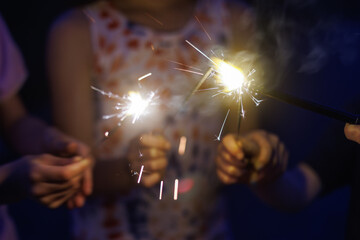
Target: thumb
(352, 132)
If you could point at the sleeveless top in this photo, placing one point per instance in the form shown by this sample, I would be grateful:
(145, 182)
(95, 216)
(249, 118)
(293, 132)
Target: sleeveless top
(124, 51)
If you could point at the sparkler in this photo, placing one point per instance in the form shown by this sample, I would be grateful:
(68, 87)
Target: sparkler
(130, 105)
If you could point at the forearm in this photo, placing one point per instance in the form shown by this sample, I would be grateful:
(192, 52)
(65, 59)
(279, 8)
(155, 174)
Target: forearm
(294, 190)
(27, 135)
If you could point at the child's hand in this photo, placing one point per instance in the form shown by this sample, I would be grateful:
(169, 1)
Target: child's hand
(50, 180)
(257, 157)
(352, 132)
(62, 145)
(151, 151)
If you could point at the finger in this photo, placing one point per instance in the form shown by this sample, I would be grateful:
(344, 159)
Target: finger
(154, 141)
(87, 184)
(79, 199)
(265, 150)
(230, 159)
(148, 153)
(352, 132)
(61, 200)
(157, 164)
(151, 180)
(47, 173)
(70, 203)
(43, 188)
(231, 145)
(230, 170)
(224, 178)
(49, 199)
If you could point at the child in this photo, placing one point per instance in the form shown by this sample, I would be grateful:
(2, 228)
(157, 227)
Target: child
(110, 45)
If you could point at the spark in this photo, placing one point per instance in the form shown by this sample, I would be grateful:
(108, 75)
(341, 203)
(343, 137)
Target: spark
(140, 174)
(190, 71)
(182, 145)
(222, 127)
(161, 189)
(200, 51)
(198, 69)
(155, 19)
(198, 85)
(176, 186)
(106, 134)
(88, 16)
(145, 76)
(203, 28)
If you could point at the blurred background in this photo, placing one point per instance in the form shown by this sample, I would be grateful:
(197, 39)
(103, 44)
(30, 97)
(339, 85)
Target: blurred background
(315, 47)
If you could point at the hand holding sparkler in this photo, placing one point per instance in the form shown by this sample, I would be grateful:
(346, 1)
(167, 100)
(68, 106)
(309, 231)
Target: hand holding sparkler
(148, 156)
(255, 158)
(50, 180)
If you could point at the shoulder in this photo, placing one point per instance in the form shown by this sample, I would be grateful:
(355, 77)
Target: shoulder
(71, 26)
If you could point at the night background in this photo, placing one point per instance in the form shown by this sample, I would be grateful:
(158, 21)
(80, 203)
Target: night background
(335, 82)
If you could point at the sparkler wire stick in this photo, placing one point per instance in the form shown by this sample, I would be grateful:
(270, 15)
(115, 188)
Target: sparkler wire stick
(198, 85)
(311, 106)
(239, 118)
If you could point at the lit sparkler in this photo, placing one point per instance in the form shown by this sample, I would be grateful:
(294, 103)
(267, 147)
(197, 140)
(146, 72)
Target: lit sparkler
(132, 105)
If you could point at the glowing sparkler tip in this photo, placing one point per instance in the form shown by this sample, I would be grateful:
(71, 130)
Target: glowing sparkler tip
(231, 77)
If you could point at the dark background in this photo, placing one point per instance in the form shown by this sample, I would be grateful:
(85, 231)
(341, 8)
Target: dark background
(334, 84)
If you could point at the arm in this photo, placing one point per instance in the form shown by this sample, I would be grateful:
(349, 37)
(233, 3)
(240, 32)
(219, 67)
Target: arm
(292, 191)
(70, 61)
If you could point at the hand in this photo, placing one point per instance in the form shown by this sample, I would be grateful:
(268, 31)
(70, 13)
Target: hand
(352, 132)
(256, 158)
(62, 145)
(50, 180)
(149, 150)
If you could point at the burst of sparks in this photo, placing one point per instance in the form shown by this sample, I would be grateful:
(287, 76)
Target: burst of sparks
(232, 81)
(131, 105)
(176, 186)
(161, 189)
(140, 174)
(182, 145)
(145, 76)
